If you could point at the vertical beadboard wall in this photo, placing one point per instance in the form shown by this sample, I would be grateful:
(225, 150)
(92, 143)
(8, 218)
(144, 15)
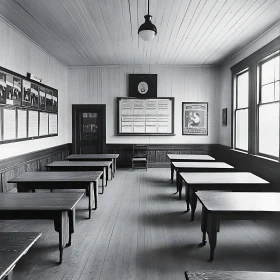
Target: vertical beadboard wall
(225, 80)
(19, 54)
(102, 85)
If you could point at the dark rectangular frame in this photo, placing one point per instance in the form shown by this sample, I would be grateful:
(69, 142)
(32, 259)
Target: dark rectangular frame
(145, 134)
(7, 71)
(224, 117)
(206, 118)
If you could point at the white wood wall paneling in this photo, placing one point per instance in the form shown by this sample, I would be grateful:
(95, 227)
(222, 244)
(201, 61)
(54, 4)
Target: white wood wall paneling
(102, 85)
(241, 22)
(243, 28)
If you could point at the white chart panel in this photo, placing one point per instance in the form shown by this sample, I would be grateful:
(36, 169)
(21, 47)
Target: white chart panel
(9, 129)
(146, 116)
(22, 123)
(33, 123)
(52, 123)
(44, 124)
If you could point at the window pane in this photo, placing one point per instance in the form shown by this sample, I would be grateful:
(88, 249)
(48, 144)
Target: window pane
(267, 93)
(268, 72)
(242, 90)
(277, 68)
(241, 137)
(269, 129)
(277, 88)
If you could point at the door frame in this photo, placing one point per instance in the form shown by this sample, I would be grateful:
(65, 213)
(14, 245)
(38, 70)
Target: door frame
(98, 107)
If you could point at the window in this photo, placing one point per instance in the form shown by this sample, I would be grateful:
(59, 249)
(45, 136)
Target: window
(268, 107)
(241, 110)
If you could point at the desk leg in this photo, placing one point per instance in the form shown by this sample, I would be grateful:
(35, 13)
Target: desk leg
(212, 226)
(62, 225)
(107, 174)
(72, 218)
(115, 165)
(177, 180)
(95, 193)
(112, 172)
(203, 226)
(172, 172)
(180, 184)
(193, 202)
(103, 179)
(90, 197)
(187, 191)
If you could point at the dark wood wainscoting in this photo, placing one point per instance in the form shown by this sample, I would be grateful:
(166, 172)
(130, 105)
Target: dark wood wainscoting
(157, 154)
(265, 168)
(34, 161)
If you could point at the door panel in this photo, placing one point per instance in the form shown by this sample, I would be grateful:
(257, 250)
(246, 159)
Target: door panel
(89, 129)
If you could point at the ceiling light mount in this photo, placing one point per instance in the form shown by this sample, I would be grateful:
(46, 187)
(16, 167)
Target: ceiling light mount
(147, 31)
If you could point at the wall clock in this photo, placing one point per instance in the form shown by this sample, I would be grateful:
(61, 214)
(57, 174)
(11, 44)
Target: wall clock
(143, 85)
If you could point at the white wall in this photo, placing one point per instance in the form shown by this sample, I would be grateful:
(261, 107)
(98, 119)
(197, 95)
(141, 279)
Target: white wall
(19, 54)
(102, 85)
(225, 80)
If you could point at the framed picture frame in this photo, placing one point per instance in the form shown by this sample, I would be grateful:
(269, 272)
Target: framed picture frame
(224, 117)
(143, 85)
(195, 118)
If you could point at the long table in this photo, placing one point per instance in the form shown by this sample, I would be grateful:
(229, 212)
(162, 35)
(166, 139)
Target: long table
(83, 166)
(96, 157)
(230, 181)
(198, 167)
(186, 158)
(13, 246)
(87, 180)
(234, 205)
(231, 275)
(59, 207)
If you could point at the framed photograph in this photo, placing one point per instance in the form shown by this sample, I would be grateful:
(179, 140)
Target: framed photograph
(224, 117)
(143, 85)
(3, 86)
(26, 98)
(195, 118)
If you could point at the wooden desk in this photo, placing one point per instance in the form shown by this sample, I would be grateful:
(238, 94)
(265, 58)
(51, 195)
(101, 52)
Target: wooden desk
(231, 275)
(13, 246)
(83, 166)
(234, 205)
(59, 207)
(96, 157)
(186, 158)
(231, 181)
(198, 167)
(87, 180)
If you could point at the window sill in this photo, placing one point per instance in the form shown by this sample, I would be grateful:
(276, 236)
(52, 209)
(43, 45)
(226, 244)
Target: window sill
(239, 151)
(267, 158)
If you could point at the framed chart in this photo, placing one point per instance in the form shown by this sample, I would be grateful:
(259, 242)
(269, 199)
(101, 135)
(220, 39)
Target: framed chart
(151, 116)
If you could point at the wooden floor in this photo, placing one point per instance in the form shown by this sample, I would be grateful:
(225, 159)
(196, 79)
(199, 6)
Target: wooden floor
(140, 231)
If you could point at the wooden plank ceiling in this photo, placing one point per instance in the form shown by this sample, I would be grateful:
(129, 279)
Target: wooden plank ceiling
(104, 32)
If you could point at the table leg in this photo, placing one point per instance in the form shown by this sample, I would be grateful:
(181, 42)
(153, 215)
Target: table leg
(212, 225)
(203, 225)
(180, 184)
(177, 180)
(107, 174)
(193, 202)
(90, 197)
(72, 218)
(112, 172)
(95, 193)
(172, 172)
(187, 191)
(62, 225)
(115, 165)
(103, 179)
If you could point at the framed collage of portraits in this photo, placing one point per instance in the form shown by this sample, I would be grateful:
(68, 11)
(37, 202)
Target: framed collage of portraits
(27, 108)
(195, 118)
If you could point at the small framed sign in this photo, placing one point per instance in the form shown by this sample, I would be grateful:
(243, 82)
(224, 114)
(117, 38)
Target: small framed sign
(194, 118)
(143, 85)
(224, 117)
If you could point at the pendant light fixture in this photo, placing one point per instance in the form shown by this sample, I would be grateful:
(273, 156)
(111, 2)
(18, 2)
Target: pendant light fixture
(147, 31)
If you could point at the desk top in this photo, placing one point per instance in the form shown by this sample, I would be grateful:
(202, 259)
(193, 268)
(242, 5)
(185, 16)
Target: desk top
(80, 164)
(189, 157)
(231, 275)
(92, 156)
(205, 164)
(67, 176)
(215, 178)
(216, 201)
(39, 201)
(13, 245)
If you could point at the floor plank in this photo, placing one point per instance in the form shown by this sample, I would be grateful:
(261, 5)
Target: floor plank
(140, 231)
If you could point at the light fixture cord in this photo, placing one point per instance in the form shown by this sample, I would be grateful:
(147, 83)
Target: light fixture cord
(148, 7)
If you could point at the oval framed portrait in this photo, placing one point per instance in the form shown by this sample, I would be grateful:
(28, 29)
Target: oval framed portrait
(143, 87)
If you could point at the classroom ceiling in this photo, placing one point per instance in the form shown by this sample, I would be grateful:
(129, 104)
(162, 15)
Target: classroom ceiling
(104, 32)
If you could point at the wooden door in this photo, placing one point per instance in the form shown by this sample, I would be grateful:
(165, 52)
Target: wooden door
(88, 129)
